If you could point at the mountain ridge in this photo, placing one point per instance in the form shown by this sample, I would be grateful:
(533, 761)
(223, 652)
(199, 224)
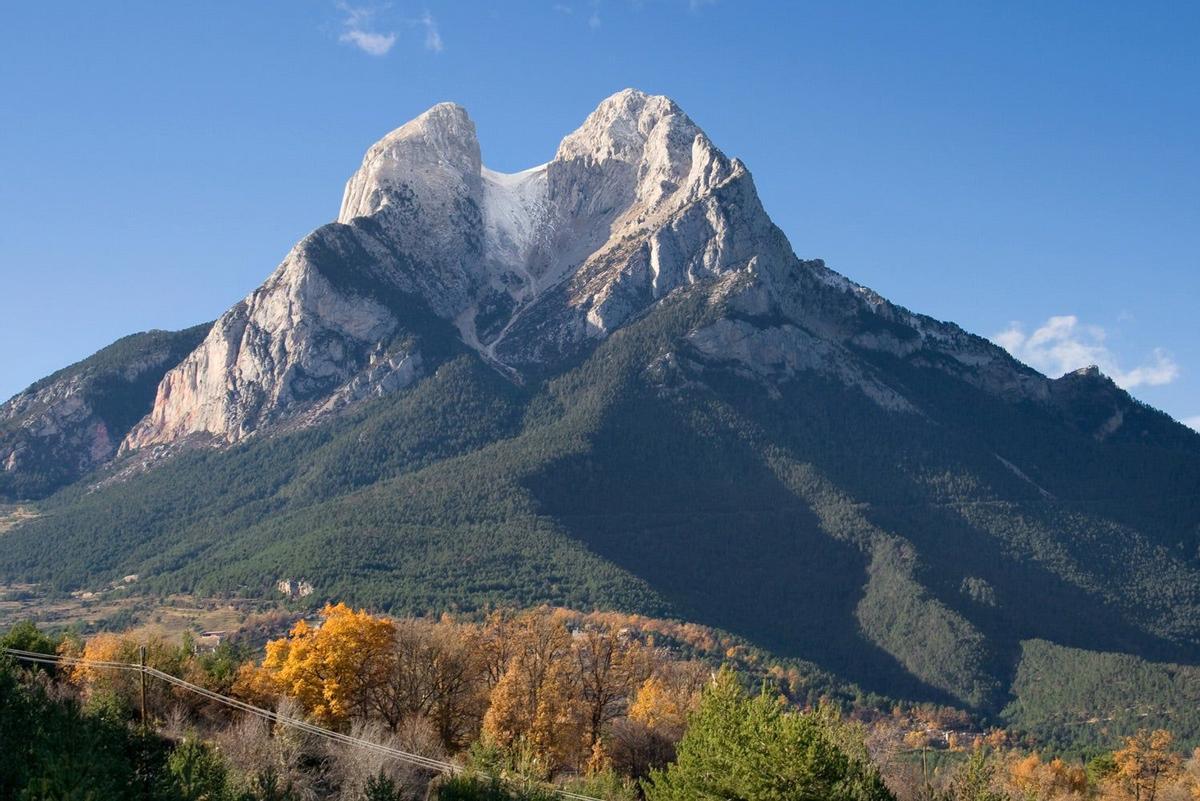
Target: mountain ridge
(636, 203)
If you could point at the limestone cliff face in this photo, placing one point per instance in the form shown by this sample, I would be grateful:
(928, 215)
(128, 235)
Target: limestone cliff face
(329, 326)
(532, 269)
(294, 339)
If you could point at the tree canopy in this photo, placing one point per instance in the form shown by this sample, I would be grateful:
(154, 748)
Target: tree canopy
(752, 749)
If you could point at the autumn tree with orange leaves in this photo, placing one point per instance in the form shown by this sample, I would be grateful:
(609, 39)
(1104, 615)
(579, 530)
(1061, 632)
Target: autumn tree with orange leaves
(1032, 778)
(536, 701)
(1144, 764)
(334, 670)
(120, 689)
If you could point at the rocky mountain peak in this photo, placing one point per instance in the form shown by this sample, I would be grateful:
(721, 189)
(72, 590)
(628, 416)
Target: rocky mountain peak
(1091, 371)
(429, 158)
(636, 150)
(530, 270)
(620, 126)
(530, 267)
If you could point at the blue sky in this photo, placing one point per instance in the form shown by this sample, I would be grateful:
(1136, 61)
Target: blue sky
(1028, 170)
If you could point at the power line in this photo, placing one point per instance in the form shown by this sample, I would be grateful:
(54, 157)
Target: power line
(429, 763)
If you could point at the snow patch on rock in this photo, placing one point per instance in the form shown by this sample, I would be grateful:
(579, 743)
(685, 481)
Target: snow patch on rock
(515, 214)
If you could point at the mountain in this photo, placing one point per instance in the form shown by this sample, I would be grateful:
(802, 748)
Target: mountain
(430, 248)
(71, 422)
(608, 381)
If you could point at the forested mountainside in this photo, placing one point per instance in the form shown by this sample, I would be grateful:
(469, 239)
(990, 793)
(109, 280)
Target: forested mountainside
(609, 383)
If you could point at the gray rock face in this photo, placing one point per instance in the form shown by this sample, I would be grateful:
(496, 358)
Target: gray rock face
(59, 418)
(534, 268)
(66, 425)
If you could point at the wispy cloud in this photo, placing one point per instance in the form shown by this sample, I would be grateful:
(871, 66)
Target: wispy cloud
(1192, 422)
(590, 10)
(377, 44)
(1063, 344)
(357, 25)
(433, 39)
(362, 28)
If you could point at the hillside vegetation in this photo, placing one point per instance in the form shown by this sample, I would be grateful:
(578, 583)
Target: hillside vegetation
(520, 706)
(909, 554)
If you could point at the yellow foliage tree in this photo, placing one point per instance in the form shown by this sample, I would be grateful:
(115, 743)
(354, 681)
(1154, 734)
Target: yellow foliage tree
(333, 669)
(1047, 781)
(666, 699)
(123, 687)
(101, 648)
(536, 700)
(1145, 762)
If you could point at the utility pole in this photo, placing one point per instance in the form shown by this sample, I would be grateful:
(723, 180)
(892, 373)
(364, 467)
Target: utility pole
(142, 664)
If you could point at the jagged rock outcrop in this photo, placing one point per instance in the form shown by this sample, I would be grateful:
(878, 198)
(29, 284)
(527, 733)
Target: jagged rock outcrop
(294, 340)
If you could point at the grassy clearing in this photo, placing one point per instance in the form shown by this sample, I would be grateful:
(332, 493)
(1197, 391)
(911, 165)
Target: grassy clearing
(13, 516)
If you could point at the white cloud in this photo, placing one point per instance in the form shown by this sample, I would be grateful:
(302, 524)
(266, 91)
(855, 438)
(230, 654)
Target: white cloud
(361, 28)
(357, 24)
(1192, 422)
(1062, 344)
(377, 44)
(433, 39)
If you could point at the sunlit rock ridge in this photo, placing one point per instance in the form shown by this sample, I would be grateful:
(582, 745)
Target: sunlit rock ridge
(531, 270)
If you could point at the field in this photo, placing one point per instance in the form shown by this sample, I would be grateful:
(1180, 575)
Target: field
(10, 516)
(116, 610)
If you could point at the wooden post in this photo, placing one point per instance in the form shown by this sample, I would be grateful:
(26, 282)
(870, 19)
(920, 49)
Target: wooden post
(925, 770)
(142, 663)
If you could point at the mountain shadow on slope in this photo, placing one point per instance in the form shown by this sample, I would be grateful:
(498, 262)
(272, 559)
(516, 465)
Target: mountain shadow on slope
(67, 424)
